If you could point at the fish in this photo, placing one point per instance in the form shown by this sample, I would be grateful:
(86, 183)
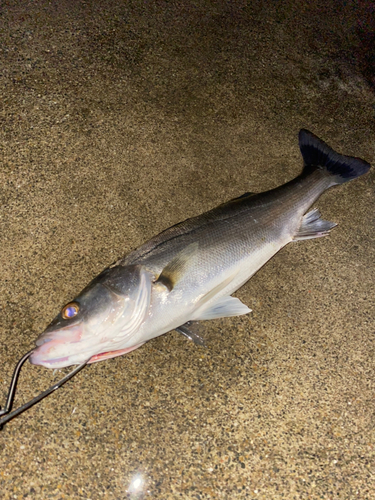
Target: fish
(190, 271)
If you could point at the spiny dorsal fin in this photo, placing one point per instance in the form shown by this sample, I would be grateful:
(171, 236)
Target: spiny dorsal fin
(173, 271)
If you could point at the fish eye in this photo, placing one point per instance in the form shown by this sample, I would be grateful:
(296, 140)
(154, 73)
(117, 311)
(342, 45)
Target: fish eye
(70, 310)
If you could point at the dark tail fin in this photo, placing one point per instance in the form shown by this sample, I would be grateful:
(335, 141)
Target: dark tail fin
(317, 153)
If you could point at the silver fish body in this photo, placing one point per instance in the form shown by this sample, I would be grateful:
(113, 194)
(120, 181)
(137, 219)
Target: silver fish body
(189, 271)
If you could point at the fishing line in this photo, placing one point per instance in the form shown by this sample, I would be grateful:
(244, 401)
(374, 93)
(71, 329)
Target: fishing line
(8, 415)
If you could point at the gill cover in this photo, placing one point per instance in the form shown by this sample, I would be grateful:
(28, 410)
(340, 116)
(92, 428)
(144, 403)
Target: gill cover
(131, 285)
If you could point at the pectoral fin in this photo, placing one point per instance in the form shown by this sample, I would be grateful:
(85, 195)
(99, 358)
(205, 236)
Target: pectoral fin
(173, 272)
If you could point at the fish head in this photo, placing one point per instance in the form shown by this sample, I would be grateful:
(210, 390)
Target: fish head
(103, 317)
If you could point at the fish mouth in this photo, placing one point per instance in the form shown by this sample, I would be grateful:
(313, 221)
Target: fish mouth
(71, 333)
(51, 359)
(57, 350)
(36, 357)
(49, 363)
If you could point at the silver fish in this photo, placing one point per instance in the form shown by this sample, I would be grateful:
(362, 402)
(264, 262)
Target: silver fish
(189, 271)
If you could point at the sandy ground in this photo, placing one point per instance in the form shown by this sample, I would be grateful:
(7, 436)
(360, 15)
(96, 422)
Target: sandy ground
(119, 119)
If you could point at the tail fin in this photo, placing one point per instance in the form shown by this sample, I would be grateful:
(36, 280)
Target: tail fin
(317, 153)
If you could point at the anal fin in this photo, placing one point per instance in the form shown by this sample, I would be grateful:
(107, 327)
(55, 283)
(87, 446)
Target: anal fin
(313, 226)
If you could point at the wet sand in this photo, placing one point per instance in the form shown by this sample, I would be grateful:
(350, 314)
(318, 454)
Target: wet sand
(119, 119)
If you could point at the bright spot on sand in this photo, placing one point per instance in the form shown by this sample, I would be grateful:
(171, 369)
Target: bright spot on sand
(136, 483)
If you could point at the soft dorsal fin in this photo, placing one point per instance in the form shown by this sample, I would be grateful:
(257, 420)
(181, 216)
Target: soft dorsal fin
(177, 267)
